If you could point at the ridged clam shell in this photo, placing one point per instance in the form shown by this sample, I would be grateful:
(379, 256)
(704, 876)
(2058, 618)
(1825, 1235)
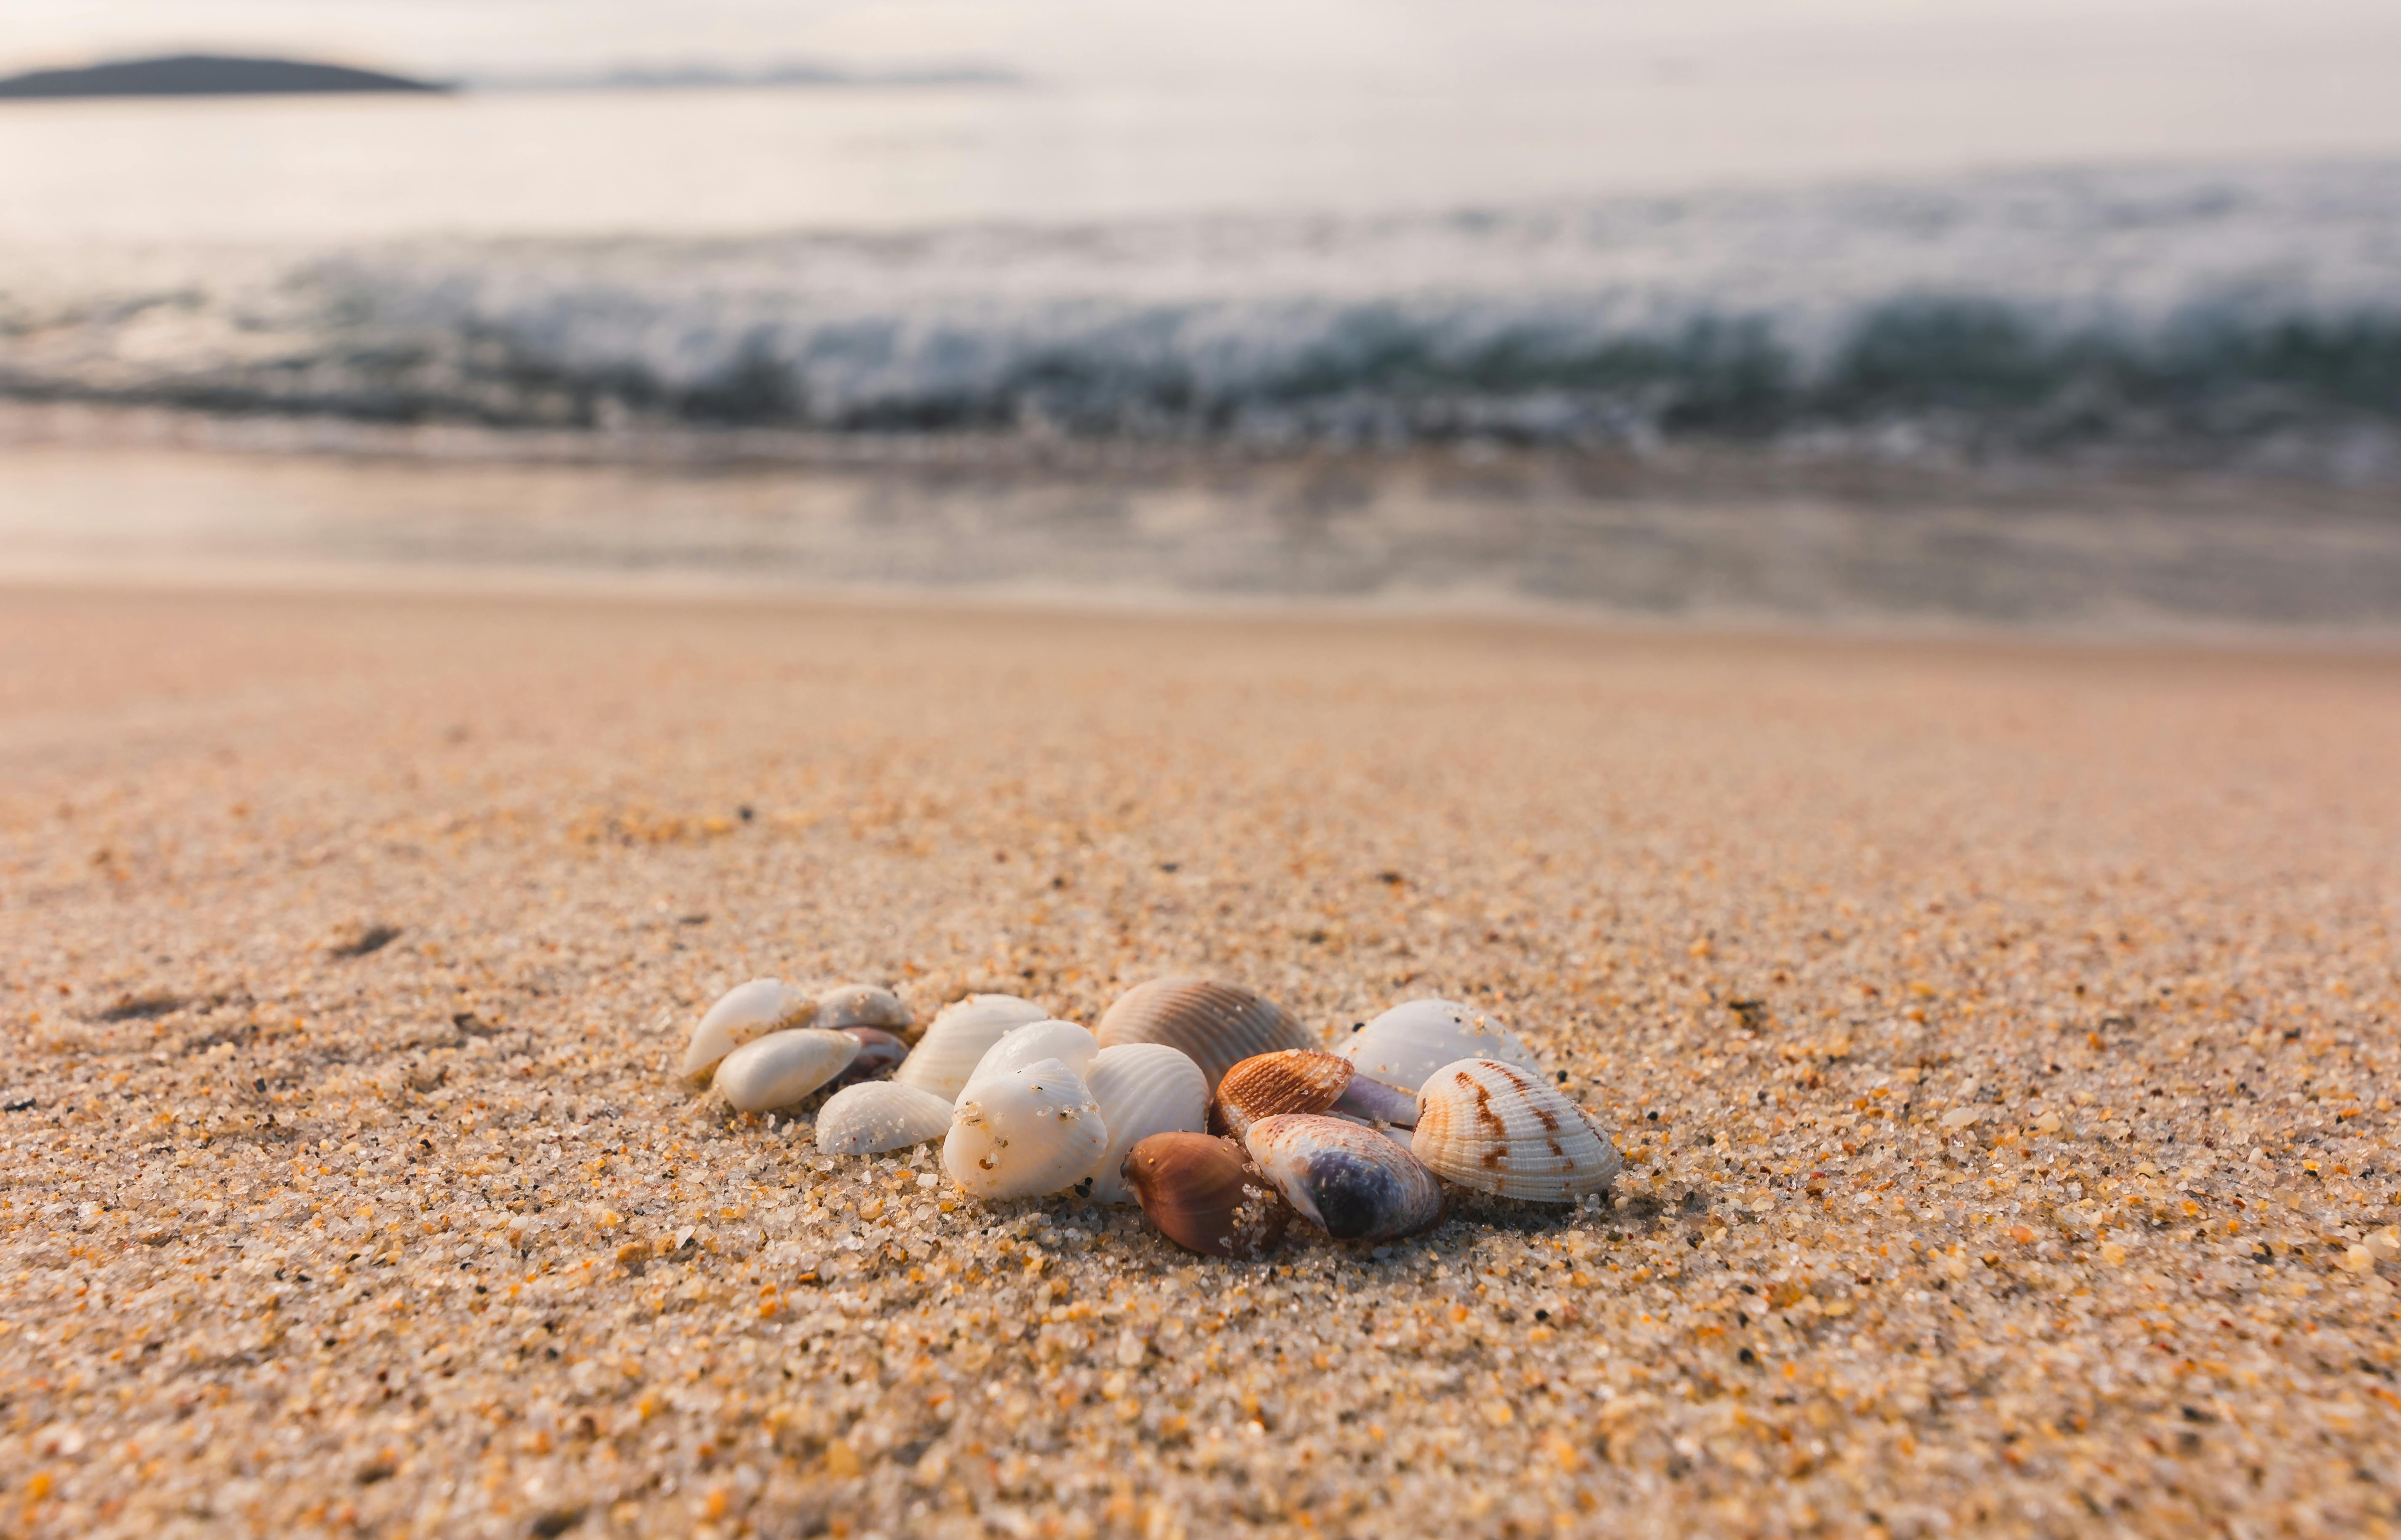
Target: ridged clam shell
(862, 1005)
(961, 1035)
(1024, 1133)
(1291, 1079)
(742, 1014)
(879, 1054)
(1500, 1128)
(1204, 1193)
(1218, 1024)
(874, 1116)
(1065, 1041)
(1143, 1088)
(783, 1067)
(1353, 1183)
(1407, 1044)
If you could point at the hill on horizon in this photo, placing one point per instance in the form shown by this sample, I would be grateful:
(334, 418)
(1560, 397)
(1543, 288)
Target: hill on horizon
(203, 74)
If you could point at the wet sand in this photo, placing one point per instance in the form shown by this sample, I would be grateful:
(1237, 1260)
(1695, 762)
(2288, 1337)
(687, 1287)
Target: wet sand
(2001, 1036)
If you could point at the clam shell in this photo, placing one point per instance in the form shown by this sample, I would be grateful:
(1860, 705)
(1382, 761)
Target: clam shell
(879, 1054)
(1500, 1128)
(1353, 1183)
(961, 1035)
(1024, 1133)
(1407, 1044)
(874, 1116)
(1291, 1079)
(1065, 1041)
(1205, 1194)
(863, 1005)
(742, 1014)
(1143, 1088)
(783, 1067)
(1218, 1024)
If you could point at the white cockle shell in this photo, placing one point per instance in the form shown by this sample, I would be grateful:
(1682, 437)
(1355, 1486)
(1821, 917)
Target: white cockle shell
(1065, 1041)
(874, 1116)
(742, 1014)
(1142, 1089)
(1024, 1133)
(862, 1005)
(962, 1033)
(1218, 1024)
(1500, 1128)
(783, 1067)
(1407, 1044)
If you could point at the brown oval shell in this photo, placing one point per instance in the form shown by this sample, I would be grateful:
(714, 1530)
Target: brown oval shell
(1218, 1025)
(1204, 1193)
(1291, 1079)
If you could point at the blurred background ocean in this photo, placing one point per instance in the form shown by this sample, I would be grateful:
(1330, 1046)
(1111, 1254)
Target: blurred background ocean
(2081, 313)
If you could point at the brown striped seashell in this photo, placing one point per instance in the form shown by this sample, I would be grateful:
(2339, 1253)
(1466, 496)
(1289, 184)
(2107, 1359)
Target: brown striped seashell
(1204, 1195)
(879, 1054)
(1499, 1128)
(1218, 1024)
(1353, 1183)
(1303, 1079)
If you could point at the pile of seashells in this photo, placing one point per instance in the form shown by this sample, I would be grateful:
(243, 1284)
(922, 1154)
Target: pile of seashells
(1203, 1102)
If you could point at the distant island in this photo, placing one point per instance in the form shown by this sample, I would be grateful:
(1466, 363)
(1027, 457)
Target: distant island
(203, 74)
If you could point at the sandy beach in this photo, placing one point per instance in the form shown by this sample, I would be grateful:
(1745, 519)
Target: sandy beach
(2000, 1035)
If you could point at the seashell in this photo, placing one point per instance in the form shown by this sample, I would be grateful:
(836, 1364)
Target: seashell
(1205, 1194)
(1065, 1041)
(1218, 1024)
(1351, 1182)
(1143, 1088)
(1025, 1133)
(783, 1067)
(874, 1116)
(1407, 1044)
(879, 1054)
(1500, 1128)
(961, 1035)
(742, 1014)
(863, 1005)
(1302, 1079)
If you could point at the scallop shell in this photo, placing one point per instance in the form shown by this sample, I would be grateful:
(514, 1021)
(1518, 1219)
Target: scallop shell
(874, 1116)
(1205, 1194)
(742, 1014)
(1218, 1024)
(961, 1035)
(1024, 1133)
(1302, 1079)
(863, 1005)
(783, 1067)
(1407, 1044)
(1353, 1183)
(1499, 1128)
(1065, 1041)
(879, 1054)
(1143, 1088)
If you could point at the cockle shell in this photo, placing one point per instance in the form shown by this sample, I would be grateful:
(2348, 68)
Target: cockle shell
(862, 1005)
(1218, 1024)
(742, 1014)
(1205, 1194)
(962, 1033)
(1302, 1079)
(1143, 1088)
(1353, 1183)
(1024, 1133)
(874, 1116)
(1500, 1128)
(783, 1067)
(1065, 1041)
(1407, 1044)
(879, 1054)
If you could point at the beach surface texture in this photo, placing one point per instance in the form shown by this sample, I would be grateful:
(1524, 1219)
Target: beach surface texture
(2000, 1036)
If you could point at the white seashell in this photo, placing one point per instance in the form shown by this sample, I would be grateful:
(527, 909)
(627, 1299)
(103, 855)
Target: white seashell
(1353, 1183)
(874, 1116)
(783, 1067)
(1024, 1133)
(1065, 1041)
(961, 1035)
(863, 1005)
(742, 1012)
(1142, 1089)
(1407, 1044)
(1218, 1025)
(1500, 1128)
